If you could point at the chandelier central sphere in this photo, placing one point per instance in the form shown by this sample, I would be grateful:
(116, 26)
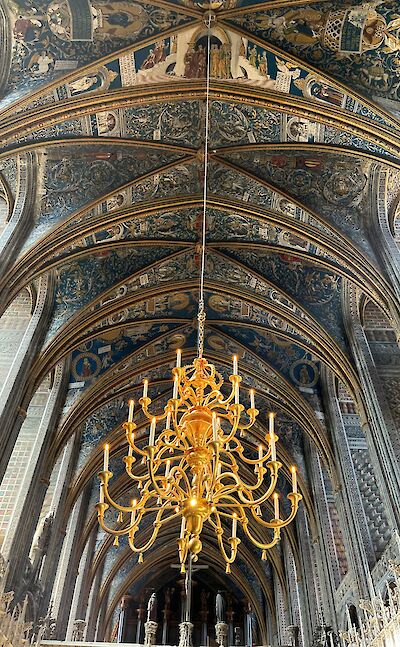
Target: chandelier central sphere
(197, 470)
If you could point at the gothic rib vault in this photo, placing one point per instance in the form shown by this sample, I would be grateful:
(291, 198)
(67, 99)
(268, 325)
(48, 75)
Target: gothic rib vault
(101, 124)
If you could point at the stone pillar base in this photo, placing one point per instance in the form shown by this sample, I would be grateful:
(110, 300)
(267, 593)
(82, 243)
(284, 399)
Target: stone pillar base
(185, 634)
(150, 630)
(221, 634)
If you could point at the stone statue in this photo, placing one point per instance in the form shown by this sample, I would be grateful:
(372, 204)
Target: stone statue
(220, 607)
(152, 608)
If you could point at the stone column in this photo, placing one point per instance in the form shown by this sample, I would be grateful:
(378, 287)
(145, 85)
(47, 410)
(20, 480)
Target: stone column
(123, 617)
(140, 618)
(12, 410)
(325, 551)
(23, 215)
(230, 616)
(83, 568)
(311, 601)
(204, 616)
(382, 240)
(292, 584)
(68, 566)
(65, 469)
(379, 428)
(18, 538)
(92, 605)
(355, 526)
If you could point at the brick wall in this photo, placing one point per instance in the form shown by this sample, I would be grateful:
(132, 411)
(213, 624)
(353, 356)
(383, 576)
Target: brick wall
(10, 486)
(13, 325)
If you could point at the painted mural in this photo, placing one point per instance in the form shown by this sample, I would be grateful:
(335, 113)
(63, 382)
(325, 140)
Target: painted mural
(233, 57)
(317, 290)
(75, 177)
(54, 38)
(333, 186)
(356, 43)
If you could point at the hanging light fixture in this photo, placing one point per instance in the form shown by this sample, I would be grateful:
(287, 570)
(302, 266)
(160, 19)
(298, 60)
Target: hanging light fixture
(194, 467)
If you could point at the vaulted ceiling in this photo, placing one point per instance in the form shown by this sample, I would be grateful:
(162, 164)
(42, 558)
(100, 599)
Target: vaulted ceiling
(102, 131)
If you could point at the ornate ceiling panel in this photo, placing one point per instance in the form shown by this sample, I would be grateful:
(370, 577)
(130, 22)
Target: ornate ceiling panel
(356, 43)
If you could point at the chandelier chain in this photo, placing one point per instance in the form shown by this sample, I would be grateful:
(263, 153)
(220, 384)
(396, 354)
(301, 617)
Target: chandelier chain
(201, 314)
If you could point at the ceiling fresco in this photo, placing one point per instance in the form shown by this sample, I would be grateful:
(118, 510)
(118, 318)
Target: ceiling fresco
(51, 39)
(109, 99)
(356, 43)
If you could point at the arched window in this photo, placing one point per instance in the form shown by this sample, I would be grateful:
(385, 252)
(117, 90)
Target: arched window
(354, 616)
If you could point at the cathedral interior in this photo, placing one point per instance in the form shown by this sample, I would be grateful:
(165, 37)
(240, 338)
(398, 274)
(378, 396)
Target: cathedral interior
(105, 110)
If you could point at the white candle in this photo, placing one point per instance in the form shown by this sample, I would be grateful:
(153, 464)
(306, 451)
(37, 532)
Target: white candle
(175, 393)
(214, 427)
(130, 450)
(101, 493)
(145, 388)
(178, 358)
(106, 457)
(237, 393)
(152, 432)
(131, 406)
(276, 505)
(234, 524)
(271, 417)
(168, 422)
(167, 468)
(252, 402)
(260, 452)
(183, 526)
(235, 365)
(294, 478)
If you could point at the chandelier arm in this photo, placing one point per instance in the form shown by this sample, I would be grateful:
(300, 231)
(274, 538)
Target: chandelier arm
(240, 482)
(211, 399)
(274, 468)
(294, 498)
(101, 508)
(271, 544)
(178, 468)
(157, 525)
(233, 541)
(162, 450)
(145, 496)
(129, 428)
(252, 413)
(256, 461)
(152, 475)
(179, 435)
(128, 468)
(145, 403)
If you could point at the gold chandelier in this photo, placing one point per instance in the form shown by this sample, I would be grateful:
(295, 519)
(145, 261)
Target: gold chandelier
(193, 467)
(196, 469)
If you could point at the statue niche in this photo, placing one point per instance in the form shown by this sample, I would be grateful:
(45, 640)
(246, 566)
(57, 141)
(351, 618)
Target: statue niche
(197, 54)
